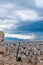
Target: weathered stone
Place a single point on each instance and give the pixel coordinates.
(1, 36)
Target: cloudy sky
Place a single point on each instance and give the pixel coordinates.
(22, 19)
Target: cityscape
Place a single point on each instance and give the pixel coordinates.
(21, 32)
(20, 53)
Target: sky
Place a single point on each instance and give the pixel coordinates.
(22, 19)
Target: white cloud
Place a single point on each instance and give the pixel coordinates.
(8, 24)
(12, 11)
(7, 5)
(7, 9)
(6, 21)
(19, 36)
(5, 26)
(39, 3)
(27, 15)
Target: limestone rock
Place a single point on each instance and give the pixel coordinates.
(1, 35)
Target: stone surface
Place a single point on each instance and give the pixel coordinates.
(1, 35)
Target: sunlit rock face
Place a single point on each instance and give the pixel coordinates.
(1, 36)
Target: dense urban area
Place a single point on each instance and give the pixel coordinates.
(20, 53)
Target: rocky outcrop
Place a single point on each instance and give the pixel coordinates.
(1, 36)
